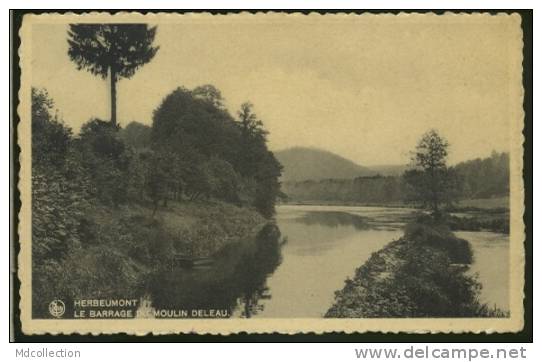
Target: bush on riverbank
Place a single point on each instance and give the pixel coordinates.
(120, 247)
(200, 229)
(426, 232)
(423, 274)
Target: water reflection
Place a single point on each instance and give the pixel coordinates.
(333, 219)
(325, 246)
(491, 264)
(236, 282)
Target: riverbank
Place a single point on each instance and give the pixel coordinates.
(422, 274)
(200, 229)
(121, 246)
(498, 222)
(459, 218)
(345, 203)
(491, 205)
(481, 215)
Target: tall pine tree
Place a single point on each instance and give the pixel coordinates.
(117, 50)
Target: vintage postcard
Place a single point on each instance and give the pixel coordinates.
(271, 172)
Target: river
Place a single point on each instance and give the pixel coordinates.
(293, 268)
(491, 263)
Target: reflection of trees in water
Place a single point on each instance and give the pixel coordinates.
(255, 269)
(250, 301)
(333, 219)
(236, 280)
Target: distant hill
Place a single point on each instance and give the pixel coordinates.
(301, 163)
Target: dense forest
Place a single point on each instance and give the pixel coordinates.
(195, 149)
(479, 178)
(97, 195)
(485, 177)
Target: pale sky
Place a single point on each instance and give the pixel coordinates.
(365, 88)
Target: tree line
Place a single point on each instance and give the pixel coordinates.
(479, 178)
(195, 150)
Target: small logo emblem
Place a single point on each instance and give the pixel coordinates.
(57, 308)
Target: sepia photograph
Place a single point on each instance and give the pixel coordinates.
(271, 172)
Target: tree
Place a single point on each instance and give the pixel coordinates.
(114, 49)
(217, 156)
(50, 137)
(431, 183)
(209, 93)
(223, 181)
(253, 138)
(257, 162)
(485, 177)
(104, 155)
(136, 135)
(251, 126)
(187, 121)
(157, 179)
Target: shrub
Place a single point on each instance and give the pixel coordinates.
(50, 137)
(103, 155)
(426, 231)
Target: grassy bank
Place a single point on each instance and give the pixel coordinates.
(492, 214)
(423, 274)
(121, 246)
(498, 222)
(502, 202)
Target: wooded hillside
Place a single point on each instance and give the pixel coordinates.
(479, 178)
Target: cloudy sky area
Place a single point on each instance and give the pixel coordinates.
(365, 88)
